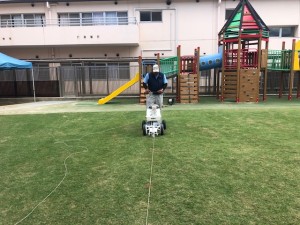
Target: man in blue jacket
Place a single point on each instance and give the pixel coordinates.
(155, 84)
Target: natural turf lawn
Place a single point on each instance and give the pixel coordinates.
(224, 166)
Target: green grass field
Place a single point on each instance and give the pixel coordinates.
(215, 165)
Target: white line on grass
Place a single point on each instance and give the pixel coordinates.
(66, 172)
(66, 168)
(150, 181)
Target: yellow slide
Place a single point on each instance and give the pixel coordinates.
(297, 57)
(119, 90)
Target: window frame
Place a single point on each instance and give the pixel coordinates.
(20, 20)
(97, 18)
(151, 12)
(280, 31)
(228, 13)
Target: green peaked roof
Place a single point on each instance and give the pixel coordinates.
(245, 19)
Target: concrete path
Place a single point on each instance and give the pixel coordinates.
(44, 107)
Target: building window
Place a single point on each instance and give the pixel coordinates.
(228, 13)
(87, 19)
(122, 18)
(151, 16)
(93, 18)
(111, 18)
(282, 31)
(22, 20)
(69, 19)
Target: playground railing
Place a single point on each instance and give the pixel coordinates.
(279, 60)
(169, 66)
(248, 58)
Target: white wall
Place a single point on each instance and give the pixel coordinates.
(185, 23)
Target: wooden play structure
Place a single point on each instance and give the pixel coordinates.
(287, 63)
(244, 57)
(188, 79)
(185, 70)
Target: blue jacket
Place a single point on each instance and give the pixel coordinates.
(155, 83)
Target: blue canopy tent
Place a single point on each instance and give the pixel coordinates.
(10, 63)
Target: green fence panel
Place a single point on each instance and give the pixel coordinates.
(169, 66)
(279, 60)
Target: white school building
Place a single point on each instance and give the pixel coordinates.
(58, 35)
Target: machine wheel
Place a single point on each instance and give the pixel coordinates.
(162, 130)
(164, 123)
(144, 129)
(143, 123)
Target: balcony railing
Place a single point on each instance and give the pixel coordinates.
(67, 22)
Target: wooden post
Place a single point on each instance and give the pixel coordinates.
(223, 72)
(158, 58)
(179, 72)
(292, 72)
(259, 62)
(140, 68)
(266, 74)
(298, 86)
(142, 95)
(281, 75)
(178, 56)
(238, 69)
(197, 61)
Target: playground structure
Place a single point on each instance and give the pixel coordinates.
(245, 59)
(287, 63)
(120, 90)
(242, 59)
(186, 71)
(183, 71)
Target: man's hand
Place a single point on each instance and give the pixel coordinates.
(160, 91)
(146, 91)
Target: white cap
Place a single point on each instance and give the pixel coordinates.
(155, 68)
